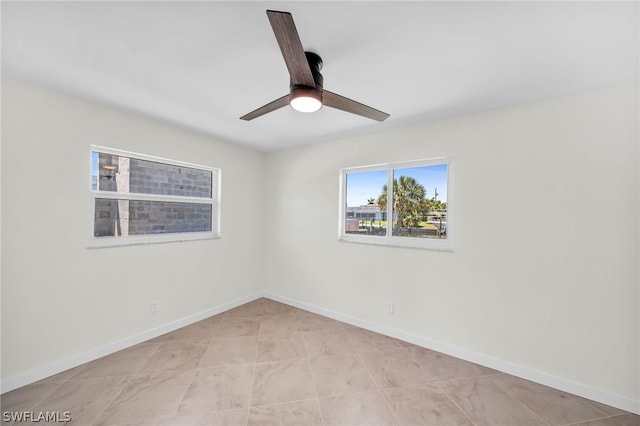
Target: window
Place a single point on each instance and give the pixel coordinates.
(418, 215)
(142, 199)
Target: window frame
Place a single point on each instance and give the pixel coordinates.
(114, 241)
(443, 244)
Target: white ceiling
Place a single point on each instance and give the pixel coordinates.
(202, 65)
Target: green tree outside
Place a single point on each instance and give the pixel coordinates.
(410, 205)
(408, 201)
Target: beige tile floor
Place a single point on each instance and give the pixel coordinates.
(265, 363)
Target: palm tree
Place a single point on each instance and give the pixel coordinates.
(408, 195)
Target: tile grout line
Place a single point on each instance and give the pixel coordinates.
(298, 313)
(595, 419)
(445, 393)
(592, 403)
(215, 367)
(380, 388)
(156, 372)
(512, 395)
(308, 357)
(386, 401)
(131, 377)
(255, 362)
(313, 377)
(437, 383)
(315, 388)
(186, 389)
(117, 394)
(41, 400)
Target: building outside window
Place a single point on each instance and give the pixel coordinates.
(140, 199)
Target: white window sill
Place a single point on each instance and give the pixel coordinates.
(407, 242)
(102, 242)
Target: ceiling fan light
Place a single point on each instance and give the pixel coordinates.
(305, 99)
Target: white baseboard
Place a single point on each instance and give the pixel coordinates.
(503, 366)
(76, 360)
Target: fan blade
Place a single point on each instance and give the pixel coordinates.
(291, 48)
(271, 106)
(345, 104)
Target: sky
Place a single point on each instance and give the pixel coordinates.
(94, 170)
(364, 185)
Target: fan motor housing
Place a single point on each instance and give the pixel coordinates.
(299, 90)
(315, 63)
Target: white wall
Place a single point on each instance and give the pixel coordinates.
(548, 286)
(60, 299)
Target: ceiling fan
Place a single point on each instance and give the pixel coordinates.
(306, 93)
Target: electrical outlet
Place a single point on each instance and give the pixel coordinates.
(390, 307)
(154, 306)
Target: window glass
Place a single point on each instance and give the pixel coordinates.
(419, 201)
(117, 173)
(363, 213)
(116, 218)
